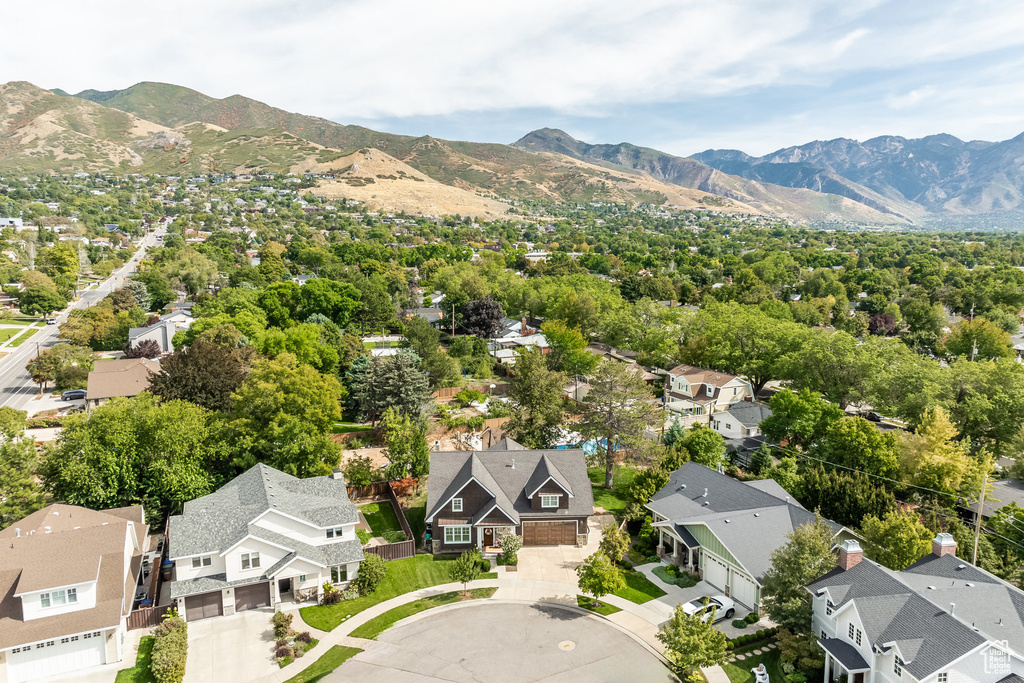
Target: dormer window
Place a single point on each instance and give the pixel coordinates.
(549, 501)
(829, 608)
(336, 532)
(250, 560)
(199, 562)
(57, 598)
(897, 666)
(456, 505)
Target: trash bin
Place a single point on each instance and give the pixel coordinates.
(165, 570)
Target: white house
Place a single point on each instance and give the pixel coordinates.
(741, 420)
(263, 538)
(162, 331)
(940, 620)
(694, 394)
(67, 582)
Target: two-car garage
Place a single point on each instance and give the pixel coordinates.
(739, 585)
(549, 533)
(56, 656)
(205, 605)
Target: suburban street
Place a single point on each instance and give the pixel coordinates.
(16, 385)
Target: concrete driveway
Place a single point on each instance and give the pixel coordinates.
(502, 643)
(558, 562)
(235, 648)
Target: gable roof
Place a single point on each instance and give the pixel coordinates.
(218, 521)
(749, 414)
(62, 545)
(695, 375)
(122, 377)
(507, 444)
(910, 609)
(493, 469)
(544, 472)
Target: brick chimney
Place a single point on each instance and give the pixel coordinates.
(850, 554)
(524, 330)
(943, 544)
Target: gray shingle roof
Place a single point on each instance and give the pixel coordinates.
(546, 470)
(748, 414)
(205, 584)
(847, 654)
(450, 471)
(507, 444)
(221, 519)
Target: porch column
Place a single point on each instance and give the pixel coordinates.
(828, 668)
(479, 537)
(675, 550)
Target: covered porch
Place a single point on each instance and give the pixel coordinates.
(843, 658)
(677, 546)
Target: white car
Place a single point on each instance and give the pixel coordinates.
(723, 607)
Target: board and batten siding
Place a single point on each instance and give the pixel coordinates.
(710, 542)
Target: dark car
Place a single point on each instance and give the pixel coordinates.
(875, 417)
(73, 395)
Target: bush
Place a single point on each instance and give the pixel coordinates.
(484, 564)
(653, 559)
(371, 572)
(282, 625)
(730, 645)
(510, 546)
(393, 536)
(170, 650)
(739, 623)
(752, 618)
(281, 642)
(304, 637)
(283, 652)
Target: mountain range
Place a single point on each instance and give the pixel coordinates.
(163, 128)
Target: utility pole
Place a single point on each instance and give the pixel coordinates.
(981, 510)
(453, 320)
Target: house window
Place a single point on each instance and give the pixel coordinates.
(302, 578)
(198, 562)
(339, 574)
(828, 609)
(728, 426)
(336, 532)
(457, 534)
(943, 677)
(897, 666)
(849, 632)
(456, 505)
(250, 560)
(858, 636)
(549, 501)
(61, 597)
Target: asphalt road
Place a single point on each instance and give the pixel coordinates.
(16, 385)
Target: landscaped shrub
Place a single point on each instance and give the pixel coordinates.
(729, 645)
(282, 652)
(739, 623)
(281, 642)
(653, 559)
(393, 536)
(282, 625)
(484, 564)
(304, 637)
(752, 618)
(510, 546)
(371, 572)
(170, 650)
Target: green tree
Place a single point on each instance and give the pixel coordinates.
(806, 556)
(856, 443)
(617, 409)
(67, 365)
(799, 418)
(844, 497)
(372, 570)
(406, 445)
(283, 415)
(40, 301)
(830, 363)
(465, 568)
(897, 540)
(978, 339)
(379, 382)
(692, 643)
(140, 292)
(933, 458)
(704, 445)
(535, 399)
(204, 373)
(20, 495)
(567, 349)
(614, 542)
(597, 576)
(645, 484)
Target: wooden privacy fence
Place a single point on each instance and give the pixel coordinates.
(373, 490)
(448, 392)
(400, 513)
(393, 551)
(146, 617)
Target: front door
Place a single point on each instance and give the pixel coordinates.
(284, 586)
(489, 536)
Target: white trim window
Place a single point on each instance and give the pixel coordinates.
(457, 534)
(336, 532)
(68, 596)
(339, 574)
(203, 561)
(250, 560)
(456, 505)
(944, 677)
(549, 500)
(897, 666)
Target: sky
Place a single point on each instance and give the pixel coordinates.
(681, 76)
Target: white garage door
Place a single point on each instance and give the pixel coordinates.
(55, 656)
(744, 589)
(715, 572)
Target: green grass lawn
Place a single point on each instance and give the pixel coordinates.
(595, 606)
(614, 500)
(682, 579)
(327, 663)
(349, 428)
(8, 332)
(639, 588)
(364, 536)
(139, 673)
(382, 622)
(381, 517)
(21, 339)
(421, 571)
(739, 671)
(415, 508)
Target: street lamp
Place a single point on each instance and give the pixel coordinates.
(491, 391)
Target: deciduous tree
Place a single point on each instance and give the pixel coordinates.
(204, 373)
(597, 576)
(692, 643)
(897, 540)
(806, 556)
(535, 399)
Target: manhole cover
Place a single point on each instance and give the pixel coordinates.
(567, 646)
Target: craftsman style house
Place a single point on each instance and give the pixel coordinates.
(477, 497)
(263, 538)
(694, 394)
(940, 620)
(67, 582)
(725, 529)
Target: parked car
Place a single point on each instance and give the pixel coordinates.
(723, 607)
(73, 394)
(51, 321)
(875, 417)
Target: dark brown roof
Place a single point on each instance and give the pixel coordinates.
(124, 377)
(62, 545)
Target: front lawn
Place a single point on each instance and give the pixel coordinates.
(327, 663)
(592, 605)
(739, 671)
(382, 622)
(349, 428)
(614, 500)
(413, 573)
(639, 588)
(139, 673)
(677, 578)
(381, 517)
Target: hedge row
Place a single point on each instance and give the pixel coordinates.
(170, 650)
(763, 634)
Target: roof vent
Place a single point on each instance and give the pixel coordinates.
(969, 584)
(682, 487)
(961, 566)
(706, 503)
(513, 463)
(17, 532)
(48, 529)
(727, 521)
(56, 512)
(757, 514)
(705, 493)
(952, 609)
(931, 588)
